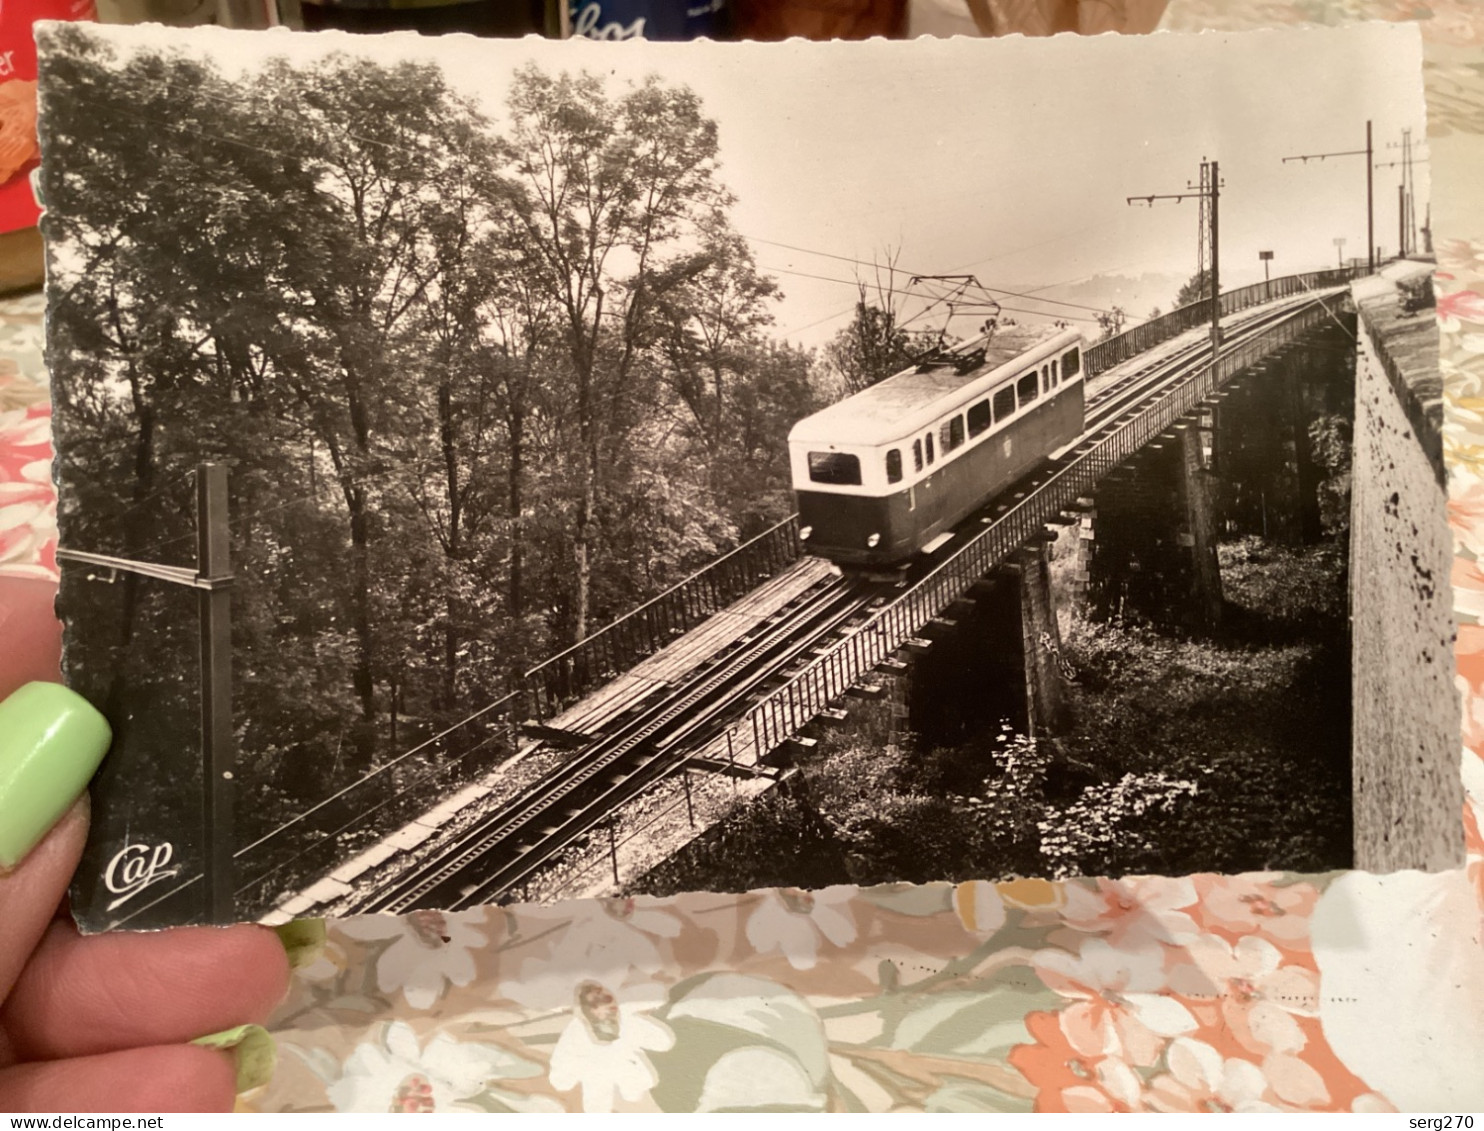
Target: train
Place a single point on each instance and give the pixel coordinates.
(888, 473)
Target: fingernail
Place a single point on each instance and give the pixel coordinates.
(51, 741)
(253, 1050)
(304, 939)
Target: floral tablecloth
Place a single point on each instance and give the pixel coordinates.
(1340, 992)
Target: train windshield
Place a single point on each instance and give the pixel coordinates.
(838, 468)
(1070, 364)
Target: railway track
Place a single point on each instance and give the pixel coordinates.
(1125, 394)
(505, 847)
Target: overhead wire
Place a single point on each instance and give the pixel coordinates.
(852, 283)
(361, 815)
(895, 270)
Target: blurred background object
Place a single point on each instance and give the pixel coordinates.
(1031, 17)
(820, 19)
(20, 245)
(665, 19)
(176, 13)
(649, 19)
(498, 18)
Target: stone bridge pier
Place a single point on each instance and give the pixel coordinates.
(1259, 459)
(1148, 546)
(995, 657)
(1244, 464)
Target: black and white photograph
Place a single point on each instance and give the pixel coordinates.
(510, 471)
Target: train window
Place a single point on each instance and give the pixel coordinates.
(1071, 363)
(928, 440)
(839, 468)
(1026, 387)
(1055, 372)
(1045, 378)
(1004, 403)
(893, 466)
(979, 418)
(916, 455)
(951, 434)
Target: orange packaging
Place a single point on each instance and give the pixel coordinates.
(18, 150)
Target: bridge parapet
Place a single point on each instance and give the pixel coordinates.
(562, 679)
(1401, 338)
(1121, 347)
(1405, 726)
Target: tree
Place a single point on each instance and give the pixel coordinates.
(468, 374)
(446, 361)
(705, 327)
(875, 344)
(1111, 321)
(390, 147)
(609, 191)
(1196, 289)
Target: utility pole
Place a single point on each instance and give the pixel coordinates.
(1406, 202)
(212, 578)
(1401, 219)
(1370, 201)
(1208, 192)
(219, 758)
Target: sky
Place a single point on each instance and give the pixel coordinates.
(1009, 159)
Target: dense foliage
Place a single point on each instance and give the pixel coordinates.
(481, 380)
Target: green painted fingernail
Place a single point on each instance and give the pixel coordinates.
(51, 741)
(252, 1048)
(304, 939)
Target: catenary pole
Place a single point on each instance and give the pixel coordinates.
(212, 578)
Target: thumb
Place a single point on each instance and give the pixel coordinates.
(51, 741)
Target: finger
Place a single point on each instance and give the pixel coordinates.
(30, 893)
(163, 1078)
(31, 631)
(80, 996)
(51, 741)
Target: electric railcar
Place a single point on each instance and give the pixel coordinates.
(891, 471)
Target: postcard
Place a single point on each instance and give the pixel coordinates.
(519, 470)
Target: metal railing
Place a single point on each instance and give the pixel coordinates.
(704, 808)
(564, 678)
(783, 712)
(1122, 347)
(400, 790)
(430, 773)
(482, 740)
